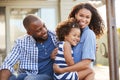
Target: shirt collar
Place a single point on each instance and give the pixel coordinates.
(85, 28)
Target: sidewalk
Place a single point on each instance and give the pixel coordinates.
(102, 72)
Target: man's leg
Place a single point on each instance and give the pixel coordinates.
(38, 77)
(12, 77)
(21, 76)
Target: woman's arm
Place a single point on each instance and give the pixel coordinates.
(84, 64)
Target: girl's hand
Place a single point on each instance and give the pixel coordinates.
(54, 53)
(57, 69)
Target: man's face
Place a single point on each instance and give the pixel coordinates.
(38, 30)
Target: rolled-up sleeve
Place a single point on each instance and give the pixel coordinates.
(89, 46)
(11, 58)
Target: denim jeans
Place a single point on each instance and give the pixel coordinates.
(12, 77)
(38, 77)
(24, 76)
(21, 76)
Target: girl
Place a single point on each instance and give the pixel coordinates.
(68, 33)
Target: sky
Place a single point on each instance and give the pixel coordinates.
(117, 6)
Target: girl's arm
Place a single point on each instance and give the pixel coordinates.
(67, 54)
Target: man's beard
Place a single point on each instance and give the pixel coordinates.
(40, 39)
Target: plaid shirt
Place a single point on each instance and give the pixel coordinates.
(25, 52)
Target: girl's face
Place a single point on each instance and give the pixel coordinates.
(83, 17)
(73, 37)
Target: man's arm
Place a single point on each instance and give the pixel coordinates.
(4, 74)
(77, 67)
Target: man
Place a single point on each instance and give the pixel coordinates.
(32, 51)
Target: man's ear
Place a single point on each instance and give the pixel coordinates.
(28, 32)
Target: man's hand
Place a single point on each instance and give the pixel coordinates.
(4, 74)
(54, 53)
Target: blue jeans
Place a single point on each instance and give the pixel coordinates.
(24, 76)
(38, 77)
(21, 76)
(12, 77)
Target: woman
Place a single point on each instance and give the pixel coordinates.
(92, 26)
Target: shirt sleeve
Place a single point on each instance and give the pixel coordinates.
(89, 46)
(11, 58)
(54, 38)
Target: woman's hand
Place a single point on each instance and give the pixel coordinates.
(57, 69)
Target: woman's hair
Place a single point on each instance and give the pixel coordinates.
(96, 23)
(63, 28)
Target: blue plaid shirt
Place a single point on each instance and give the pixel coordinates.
(25, 52)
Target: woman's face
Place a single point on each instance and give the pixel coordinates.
(83, 17)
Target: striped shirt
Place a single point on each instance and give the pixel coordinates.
(60, 60)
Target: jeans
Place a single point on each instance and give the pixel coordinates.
(38, 77)
(12, 77)
(21, 76)
(24, 76)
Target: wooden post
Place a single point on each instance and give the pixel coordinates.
(112, 40)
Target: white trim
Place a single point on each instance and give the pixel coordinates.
(7, 30)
